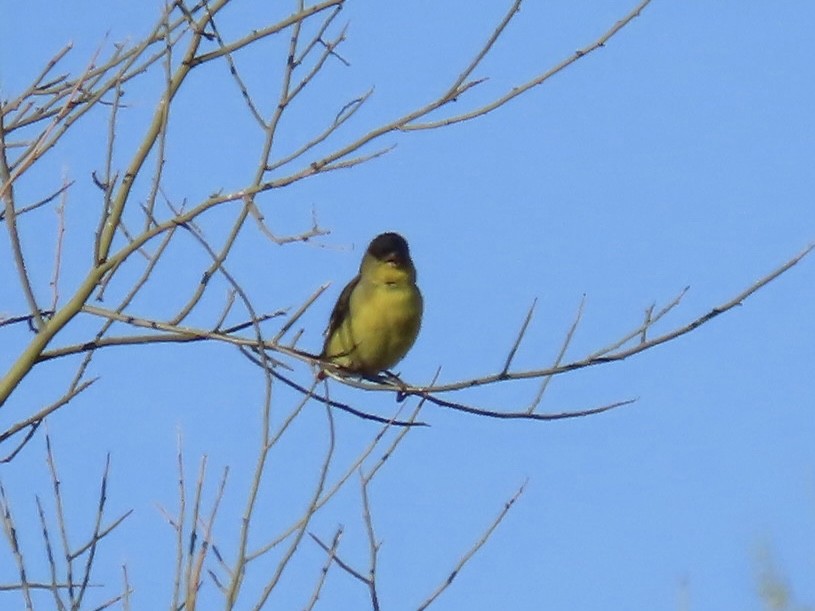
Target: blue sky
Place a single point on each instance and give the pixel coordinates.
(678, 155)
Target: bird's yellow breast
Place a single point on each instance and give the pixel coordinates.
(382, 324)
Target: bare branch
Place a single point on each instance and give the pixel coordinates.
(559, 358)
(191, 575)
(455, 88)
(308, 514)
(233, 70)
(518, 339)
(264, 32)
(473, 550)
(332, 552)
(11, 535)
(373, 544)
(299, 312)
(43, 202)
(36, 419)
(58, 250)
(623, 354)
(538, 80)
(341, 481)
(642, 330)
(341, 563)
(61, 523)
(10, 217)
(344, 114)
(97, 535)
(49, 550)
(126, 589)
(178, 524)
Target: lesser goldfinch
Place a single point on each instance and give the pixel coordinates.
(378, 314)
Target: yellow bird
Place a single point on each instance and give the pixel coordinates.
(378, 314)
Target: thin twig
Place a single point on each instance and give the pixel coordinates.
(178, 523)
(373, 544)
(126, 589)
(61, 522)
(333, 490)
(7, 177)
(43, 202)
(60, 210)
(35, 420)
(49, 551)
(621, 354)
(312, 508)
(340, 562)
(473, 550)
(268, 31)
(11, 535)
(332, 552)
(299, 312)
(559, 358)
(346, 112)
(455, 88)
(520, 337)
(641, 331)
(538, 80)
(192, 577)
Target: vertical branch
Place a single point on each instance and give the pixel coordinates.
(96, 536)
(350, 471)
(209, 542)
(164, 122)
(126, 589)
(63, 527)
(110, 179)
(10, 217)
(191, 576)
(283, 102)
(58, 250)
(113, 217)
(49, 550)
(268, 443)
(559, 358)
(373, 544)
(178, 525)
(11, 535)
(196, 559)
(239, 568)
(309, 513)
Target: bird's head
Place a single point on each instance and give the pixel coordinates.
(388, 257)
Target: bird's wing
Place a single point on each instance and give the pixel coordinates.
(341, 308)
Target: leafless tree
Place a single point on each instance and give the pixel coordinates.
(139, 228)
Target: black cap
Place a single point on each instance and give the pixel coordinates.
(389, 246)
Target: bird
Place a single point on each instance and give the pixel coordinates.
(378, 314)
